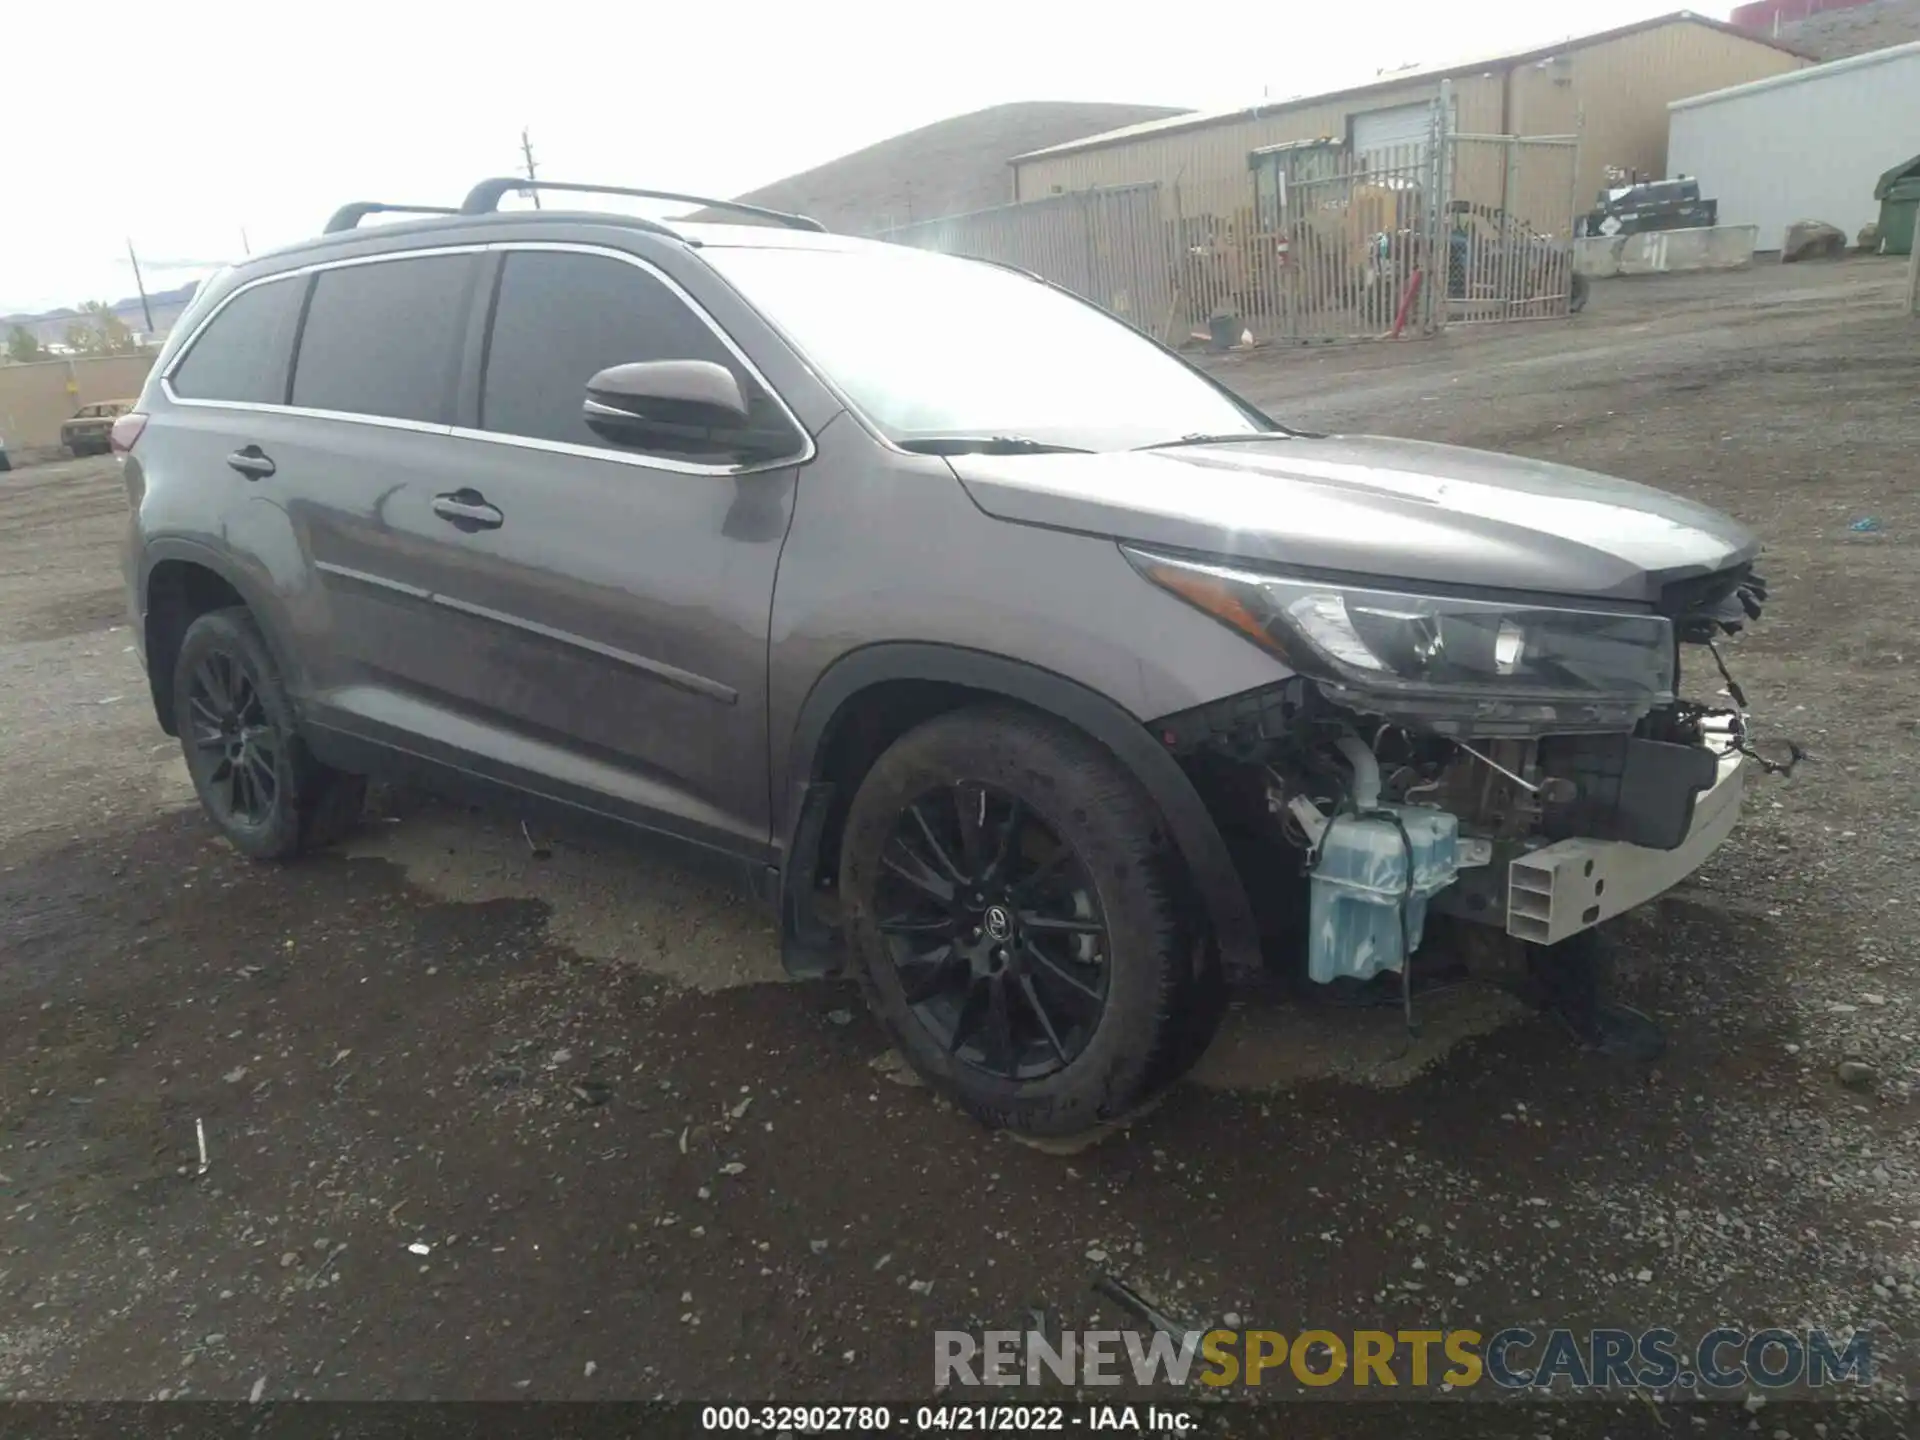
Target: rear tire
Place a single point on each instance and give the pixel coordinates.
(1577, 297)
(256, 779)
(1075, 1019)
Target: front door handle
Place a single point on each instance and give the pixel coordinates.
(252, 462)
(467, 509)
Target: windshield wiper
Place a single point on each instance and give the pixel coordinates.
(986, 445)
(1235, 438)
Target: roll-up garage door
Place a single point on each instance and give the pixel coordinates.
(1395, 129)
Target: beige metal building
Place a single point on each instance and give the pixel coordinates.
(1611, 89)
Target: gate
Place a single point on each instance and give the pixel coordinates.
(1108, 246)
(1509, 222)
(1355, 242)
(1343, 242)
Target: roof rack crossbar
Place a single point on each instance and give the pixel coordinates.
(485, 198)
(347, 217)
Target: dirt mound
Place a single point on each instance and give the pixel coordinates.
(946, 168)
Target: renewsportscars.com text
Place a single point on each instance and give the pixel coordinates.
(1514, 1358)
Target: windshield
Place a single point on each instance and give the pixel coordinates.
(928, 345)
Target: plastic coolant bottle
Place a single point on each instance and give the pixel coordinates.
(1375, 873)
(1360, 889)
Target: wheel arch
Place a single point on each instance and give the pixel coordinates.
(181, 580)
(907, 683)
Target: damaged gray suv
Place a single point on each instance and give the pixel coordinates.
(1030, 673)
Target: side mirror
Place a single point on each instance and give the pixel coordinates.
(680, 405)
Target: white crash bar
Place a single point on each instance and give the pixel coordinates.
(1573, 885)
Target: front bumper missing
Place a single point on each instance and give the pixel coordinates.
(1573, 885)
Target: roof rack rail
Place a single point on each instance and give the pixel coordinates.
(347, 217)
(485, 198)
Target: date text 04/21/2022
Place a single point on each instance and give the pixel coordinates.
(944, 1419)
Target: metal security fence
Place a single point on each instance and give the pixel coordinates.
(1334, 242)
(1510, 227)
(1107, 246)
(1343, 242)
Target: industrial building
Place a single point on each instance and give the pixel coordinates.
(1611, 89)
(1809, 145)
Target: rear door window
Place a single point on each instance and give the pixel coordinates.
(384, 339)
(561, 317)
(242, 355)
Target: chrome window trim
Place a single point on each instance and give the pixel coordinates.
(801, 456)
(385, 422)
(646, 462)
(298, 273)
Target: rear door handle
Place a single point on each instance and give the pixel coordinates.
(252, 462)
(467, 509)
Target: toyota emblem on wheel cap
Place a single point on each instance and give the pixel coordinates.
(998, 922)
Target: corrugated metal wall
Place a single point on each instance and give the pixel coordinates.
(1619, 89)
(1622, 90)
(1209, 165)
(1808, 150)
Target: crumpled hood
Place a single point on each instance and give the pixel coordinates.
(1370, 506)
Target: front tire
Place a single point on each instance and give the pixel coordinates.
(253, 774)
(1008, 895)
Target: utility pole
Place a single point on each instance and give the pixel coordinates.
(526, 151)
(141, 285)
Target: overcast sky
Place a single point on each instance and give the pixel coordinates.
(180, 124)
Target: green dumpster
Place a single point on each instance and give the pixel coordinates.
(1899, 195)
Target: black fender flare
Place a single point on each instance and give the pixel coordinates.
(206, 557)
(1203, 850)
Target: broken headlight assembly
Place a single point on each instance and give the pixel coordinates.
(1452, 664)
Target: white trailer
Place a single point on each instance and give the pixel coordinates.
(1806, 145)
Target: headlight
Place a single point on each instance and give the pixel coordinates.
(1503, 665)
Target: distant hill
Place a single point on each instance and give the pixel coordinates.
(947, 168)
(1836, 34)
(50, 326)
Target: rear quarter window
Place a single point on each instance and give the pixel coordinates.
(242, 354)
(384, 339)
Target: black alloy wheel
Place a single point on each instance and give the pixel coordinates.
(1011, 900)
(255, 777)
(994, 929)
(237, 743)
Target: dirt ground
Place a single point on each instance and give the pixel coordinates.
(486, 1125)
